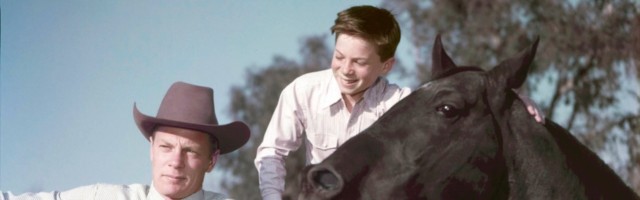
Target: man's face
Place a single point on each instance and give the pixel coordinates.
(179, 160)
(356, 65)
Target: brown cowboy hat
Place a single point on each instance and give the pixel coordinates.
(191, 107)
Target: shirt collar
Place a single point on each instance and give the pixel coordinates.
(154, 195)
(373, 95)
(333, 94)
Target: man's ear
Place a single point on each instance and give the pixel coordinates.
(387, 66)
(151, 148)
(214, 160)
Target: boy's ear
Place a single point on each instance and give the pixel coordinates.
(387, 66)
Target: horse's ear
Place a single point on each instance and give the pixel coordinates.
(514, 70)
(440, 61)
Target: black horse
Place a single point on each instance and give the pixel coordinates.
(464, 135)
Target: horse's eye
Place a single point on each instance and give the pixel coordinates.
(448, 111)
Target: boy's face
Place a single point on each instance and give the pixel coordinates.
(356, 65)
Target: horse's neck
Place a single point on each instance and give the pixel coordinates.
(598, 179)
(537, 166)
(548, 162)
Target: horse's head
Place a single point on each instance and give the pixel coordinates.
(460, 119)
(441, 141)
(462, 135)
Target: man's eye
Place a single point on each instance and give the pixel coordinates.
(448, 111)
(192, 153)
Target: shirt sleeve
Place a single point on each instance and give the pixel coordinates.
(395, 94)
(95, 192)
(283, 135)
(85, 192)
(30, 196)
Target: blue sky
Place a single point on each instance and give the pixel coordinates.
(70, 72)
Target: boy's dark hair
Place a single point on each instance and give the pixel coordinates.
(373, 24)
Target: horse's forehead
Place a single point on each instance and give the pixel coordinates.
(463, 82)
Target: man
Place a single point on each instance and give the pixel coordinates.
(324, 109)
(186, 141)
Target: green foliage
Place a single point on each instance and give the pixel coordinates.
(585, 68)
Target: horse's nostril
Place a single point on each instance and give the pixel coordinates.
(325, 179)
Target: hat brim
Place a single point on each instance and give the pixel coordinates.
(230, 136)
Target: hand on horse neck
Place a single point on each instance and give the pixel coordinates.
(532, 107)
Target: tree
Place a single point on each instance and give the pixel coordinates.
(586, 61)
(254, 104)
